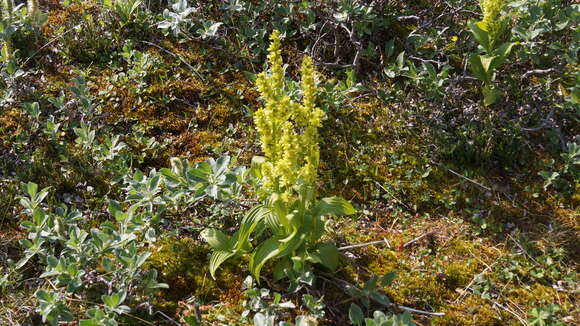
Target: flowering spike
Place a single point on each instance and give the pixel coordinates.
(492, 21)
(288, 130)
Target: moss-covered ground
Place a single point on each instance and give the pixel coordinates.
(491, 243)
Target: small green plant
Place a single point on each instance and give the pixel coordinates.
(426, 74)
(379, 318)
(267, 307)
(176, 21)
(126, 10)
(262, 304)
(397, 67)
(545, 316)
(179, 23)
(371, 290)
(52, 308)
(33, 110)
(488, 33)
(209, 29)
(12, 20)
(483, 224)
(570, 169)
(7, 281)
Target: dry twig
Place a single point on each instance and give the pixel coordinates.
(408, 243)
(371, 243)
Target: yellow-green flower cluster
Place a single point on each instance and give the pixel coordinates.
(492, 21)
(288, 130)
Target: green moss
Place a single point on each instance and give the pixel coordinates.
(182, 264)
(415, 288)
(381, 261)
(460, 273)
(473, 311)
(540, 295)
(462, 247)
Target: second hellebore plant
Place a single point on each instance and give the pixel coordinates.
(488, 33)
(290, 218)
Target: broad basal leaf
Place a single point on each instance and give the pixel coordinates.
(478, 69)
(326, 254)
(481, 35)
(217, 239)
(334, 206)
(250, 221)
(217, 258)
(501, 54)
(265, 251)
(490, 95)
(273, 248)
